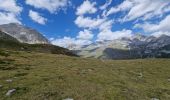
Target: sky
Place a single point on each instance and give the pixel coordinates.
(82, 22)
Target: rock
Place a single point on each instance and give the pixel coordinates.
(68, 99)
(9, 80)
(140, 75)
(154, 99)
(90, 70)
(10, 92)
(0, 86)
(169, 80)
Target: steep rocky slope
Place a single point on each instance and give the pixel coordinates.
(24, 34)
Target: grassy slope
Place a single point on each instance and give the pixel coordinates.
(43, 48)
(38, 76)
(10, 43)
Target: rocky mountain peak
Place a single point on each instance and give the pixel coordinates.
(24, 34)
(136, 46)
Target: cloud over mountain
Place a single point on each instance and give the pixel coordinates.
(35, 16)
(9, 11)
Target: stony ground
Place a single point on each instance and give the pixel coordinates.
(40, 76)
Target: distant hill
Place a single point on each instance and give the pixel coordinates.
(24, 34)
(137, 46)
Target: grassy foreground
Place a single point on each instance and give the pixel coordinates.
(40, 76)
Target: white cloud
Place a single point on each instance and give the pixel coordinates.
(9, 12)
(64, 42)
(80, 42)
(109, 35)
(146, 9)
(158, 34)
(162, 26)
(107, 25)
(35, 16)
(126, 5)
(87, 22)
(68, 42)
(108, 2)
(51, 5)
(85, 35)
(83, 38)
(86, 7)
(10, 6)
(6, 18)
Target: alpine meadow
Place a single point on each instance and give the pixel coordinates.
(84, 50)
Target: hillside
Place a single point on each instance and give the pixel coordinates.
(5, 36)
(39, 76)
(41, 48)
(11, 41)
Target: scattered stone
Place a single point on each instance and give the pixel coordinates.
(9, 80)
(169, 80)
(15, 77)
(140, 75)
(0, 86)
(154, 99)
(68, 99)
(10, 92)
(90, 70)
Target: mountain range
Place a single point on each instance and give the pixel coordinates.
(134, 47)
(137, 46)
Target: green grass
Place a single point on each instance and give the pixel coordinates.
(42, 76)
(43, 48)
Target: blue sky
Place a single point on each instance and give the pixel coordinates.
(81, 22)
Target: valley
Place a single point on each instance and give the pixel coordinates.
(134, 68)
(84, 49)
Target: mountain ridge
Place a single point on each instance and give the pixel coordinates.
(24, 34)
(138, 46)
(10, 42)
(134, 47)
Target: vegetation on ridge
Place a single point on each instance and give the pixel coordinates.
(42, 48)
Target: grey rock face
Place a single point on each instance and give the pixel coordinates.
(24, 34)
